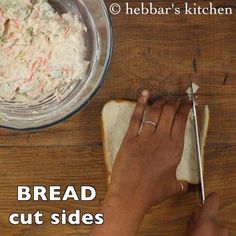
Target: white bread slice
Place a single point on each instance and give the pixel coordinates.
(115, 121)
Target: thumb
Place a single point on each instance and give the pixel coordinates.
(196, 212)
(211, 206)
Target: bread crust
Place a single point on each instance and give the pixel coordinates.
(108, 173)
(105, 151)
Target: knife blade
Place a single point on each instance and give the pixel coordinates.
(198, 147)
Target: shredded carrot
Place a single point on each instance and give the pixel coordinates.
(67, 31)
(34, 67)
(36, 13)
(38, 43)
(41, 87)
(17, 24)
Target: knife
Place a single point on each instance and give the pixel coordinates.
(198, 147)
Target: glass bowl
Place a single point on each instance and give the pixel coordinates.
(99, 42)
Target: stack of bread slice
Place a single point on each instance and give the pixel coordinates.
(115, 121)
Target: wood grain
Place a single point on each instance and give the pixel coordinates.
(153, 52)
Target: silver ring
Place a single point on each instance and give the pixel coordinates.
(182, 187)
(149, 122)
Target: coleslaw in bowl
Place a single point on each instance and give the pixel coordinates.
(56, 56)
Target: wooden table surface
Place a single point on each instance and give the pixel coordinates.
(154, 52)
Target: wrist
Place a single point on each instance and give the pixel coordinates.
(143, 197)
(122, 215)
(125, 205)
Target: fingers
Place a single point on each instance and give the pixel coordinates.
(153, 115)
(170, 115)
(137, 117)
(211, 206)
(167, 117)
(196, 212)
(206, 217)
(179, 125)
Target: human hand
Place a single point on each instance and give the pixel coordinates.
(145, 169)
(204, 219)
(144, 172)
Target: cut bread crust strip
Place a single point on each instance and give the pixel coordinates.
(115, 121)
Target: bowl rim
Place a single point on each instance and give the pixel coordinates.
(103, 77)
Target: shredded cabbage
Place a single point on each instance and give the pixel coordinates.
(41, 52)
